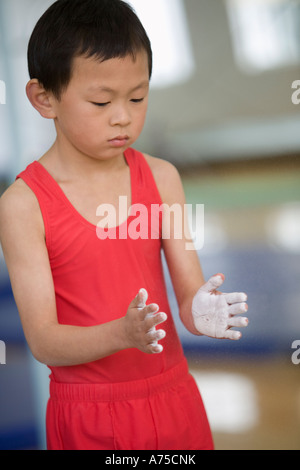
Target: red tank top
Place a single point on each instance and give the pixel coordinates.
(95, 279)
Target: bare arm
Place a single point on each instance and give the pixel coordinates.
(184, 265)
(23, 241)
(202, 308)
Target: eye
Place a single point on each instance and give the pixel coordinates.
(137, 100)
(101, 105)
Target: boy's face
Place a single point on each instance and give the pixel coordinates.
(103, 110)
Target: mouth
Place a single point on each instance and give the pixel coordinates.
(119, 141)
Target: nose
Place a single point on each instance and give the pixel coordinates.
(120, 116)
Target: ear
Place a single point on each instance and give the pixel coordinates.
(40, 99)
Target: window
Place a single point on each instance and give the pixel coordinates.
(265, 33)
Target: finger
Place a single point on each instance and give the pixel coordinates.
(149, 310)
(156, 335)
(213, 283)
(239, 308)
(154, 348)
(235, 297)
(155, 319)
(153, 345)
(141, 298)
(157, 348)
(239, 322)
(233, 335)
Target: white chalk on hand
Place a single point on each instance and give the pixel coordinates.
(216, 313)
(162, 333)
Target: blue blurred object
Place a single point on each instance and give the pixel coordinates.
(17, 411)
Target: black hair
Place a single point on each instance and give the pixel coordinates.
(104, 29)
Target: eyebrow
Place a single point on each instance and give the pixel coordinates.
(106, 89)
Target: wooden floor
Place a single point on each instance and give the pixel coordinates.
(276, 383)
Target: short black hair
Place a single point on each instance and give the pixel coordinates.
(104, 29)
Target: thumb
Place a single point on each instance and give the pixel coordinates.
(140, 300)
(213, 283)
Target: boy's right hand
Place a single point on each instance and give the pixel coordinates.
(140, 325)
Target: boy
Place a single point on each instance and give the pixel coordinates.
(91, 298)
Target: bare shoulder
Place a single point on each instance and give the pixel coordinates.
(17, 196)
(166, 176)
(162, 169)
(19, 204)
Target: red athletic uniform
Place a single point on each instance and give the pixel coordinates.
(129, 400)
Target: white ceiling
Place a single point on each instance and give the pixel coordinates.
(222, 112)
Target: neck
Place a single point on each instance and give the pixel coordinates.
(70, 164)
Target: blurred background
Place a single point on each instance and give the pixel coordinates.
(225, 109)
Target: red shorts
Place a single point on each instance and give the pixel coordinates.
(164, 412)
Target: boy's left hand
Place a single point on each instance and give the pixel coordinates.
(214, 313)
